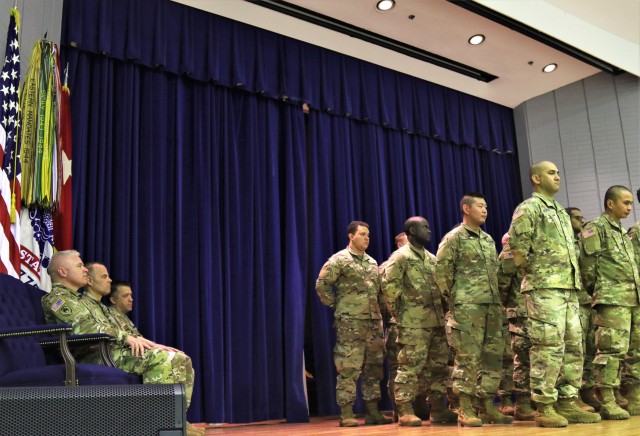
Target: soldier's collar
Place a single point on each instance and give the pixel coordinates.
(550, 202)
(614, 223)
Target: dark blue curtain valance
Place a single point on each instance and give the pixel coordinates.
(185, 41)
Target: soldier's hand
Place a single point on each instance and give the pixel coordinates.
(138, 347)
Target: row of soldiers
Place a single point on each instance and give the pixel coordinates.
(563, 292)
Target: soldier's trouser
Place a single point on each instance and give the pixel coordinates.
(556, 344)
(158, 367)
(506, 382)
(422, 363)
(521, 346)
(475, 332)
(587, 316)
(359, 351)
(617, 341)
(391, 350)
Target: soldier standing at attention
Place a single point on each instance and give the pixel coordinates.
(509, 280)
(586, 399)
(542, 244)
(610, 273)
(391, 336)
(413, 299)
(466, 272)
(359, 349)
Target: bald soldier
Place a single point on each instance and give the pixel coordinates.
(542, 244)
(610, 273)
(466, 273)
(349, 284)
(414, 300)
(87, 315)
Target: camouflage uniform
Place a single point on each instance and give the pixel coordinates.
(123, 322)
(587, 315)
(542, 236)
(412, 296)
(390, 340)
(634, 235)
(87, 315)
(610, 272)
(359, 349)
(466, 273)
(509, 280)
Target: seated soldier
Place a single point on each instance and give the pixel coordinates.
(87, 314)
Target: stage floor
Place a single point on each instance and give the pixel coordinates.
(329, 427)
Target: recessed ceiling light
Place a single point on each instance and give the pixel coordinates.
(476, 39)
(385, 5)
(549, 68)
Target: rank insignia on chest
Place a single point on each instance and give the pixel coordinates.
(588, 233)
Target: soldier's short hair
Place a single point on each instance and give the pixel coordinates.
(352, 228)
(469, 198)
(90, 266)
(399, 238)
(568, 210)
(115, 288)
(613, 193)
(53, 262)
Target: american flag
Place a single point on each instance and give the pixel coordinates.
(9, 149)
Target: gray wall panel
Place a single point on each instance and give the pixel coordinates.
(591, 130)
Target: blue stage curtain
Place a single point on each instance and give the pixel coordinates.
(196, 179)
(195, 193)
(171, 37)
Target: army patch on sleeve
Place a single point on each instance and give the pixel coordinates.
(57, 305)
(507, 255)
(517, 214)
(588, 233)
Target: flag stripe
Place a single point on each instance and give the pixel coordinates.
(10, 171)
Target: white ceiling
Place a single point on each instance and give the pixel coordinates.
(606, 29)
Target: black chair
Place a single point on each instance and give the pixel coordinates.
(23, 333)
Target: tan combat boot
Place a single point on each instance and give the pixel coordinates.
(466, 415)
(546, 416)
(524, 411)
(373, 416)
(588, 396)
(610, 409)
(346, 416)
(506, 405)
(633, 396)
(620, 399)
(407, 418)
(490, 415)
(574, 414)
(582, 405)
(194, 431)
(440, 413)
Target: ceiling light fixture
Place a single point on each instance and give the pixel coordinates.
(385, 5)
(549, 68)
(476, 39)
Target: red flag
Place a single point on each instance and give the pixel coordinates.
(62, 233)
(9, 153)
